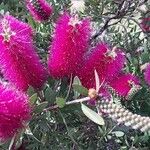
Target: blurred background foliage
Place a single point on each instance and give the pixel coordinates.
(67, 128)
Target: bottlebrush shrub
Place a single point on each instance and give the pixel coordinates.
(108, 64)
(14, 111)
(18, 60)
(39, 9)
(145, 24)
(124, 83)
(147, 74)
(69, 45)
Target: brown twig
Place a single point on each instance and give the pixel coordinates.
(123, 8)
(119, 14)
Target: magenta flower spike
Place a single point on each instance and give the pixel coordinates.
(40, 10)
(147, 74)
(108, 64)
(14, 111)
(124, 83)
(19, 62)
(69, 45)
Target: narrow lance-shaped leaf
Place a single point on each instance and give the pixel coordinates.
(97, 81)
(33, 99)
(92, 115)
(39, 108)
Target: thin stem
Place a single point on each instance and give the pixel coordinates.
(69, 103)
(41, 96)
(108, 132)
(120, 13)
(70, 85)
(12, 145)
(123, 8)
(69, 134)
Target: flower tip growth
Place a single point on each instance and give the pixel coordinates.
(14, 111)
(11, 27)
(41, 10)
(69, 45)
(19, 63)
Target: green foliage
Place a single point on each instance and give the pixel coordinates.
(92, 115)
(67, 127)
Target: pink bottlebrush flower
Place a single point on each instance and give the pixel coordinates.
(19, 62)
(147, 74)
(41, 10)
(145, 24)
(14, 111)
(124, 83)
(108, 64)
(69, 44)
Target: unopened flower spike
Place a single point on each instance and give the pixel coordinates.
(41, 10)
(123, 116)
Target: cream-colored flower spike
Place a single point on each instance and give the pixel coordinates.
(77, 6)
(124, 116)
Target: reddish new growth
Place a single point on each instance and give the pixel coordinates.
(14, 111)
(39, 9)
(69, 45)
(145, 24)
(19, 62)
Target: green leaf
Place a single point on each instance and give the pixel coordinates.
(118, 133)
(30, 91)
(76, 80)
(50, 95)
(60, 102)
(33, 99)
(80, 89)
(92, 115)
(29, 132)
(39, 108)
